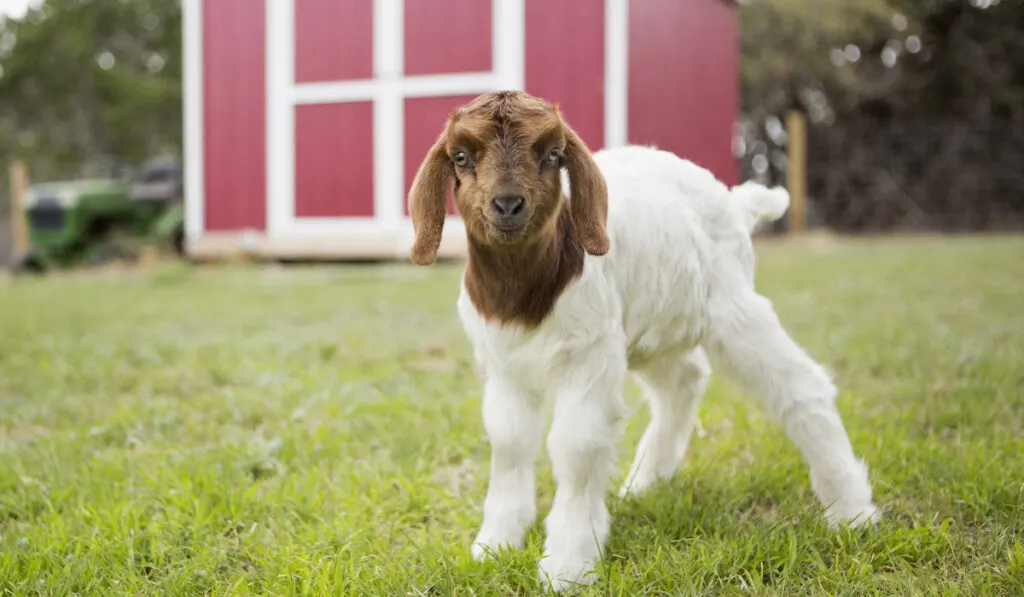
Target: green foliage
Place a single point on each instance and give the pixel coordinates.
(87, 77)
(973, 59)
(937, 56)
(237, 431)
(787, 46)
(916, 108)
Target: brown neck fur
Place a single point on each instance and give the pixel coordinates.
(521, 285)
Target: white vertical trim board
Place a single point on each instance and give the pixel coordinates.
(616, 72)
(388, 112)
(508, 42)
(192, 108)
(280, 77)
(388, 39)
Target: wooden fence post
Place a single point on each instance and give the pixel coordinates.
(19, 224)
(796, 170)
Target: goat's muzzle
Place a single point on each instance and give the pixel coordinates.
(509, 213)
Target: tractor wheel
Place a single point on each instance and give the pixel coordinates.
(111, 251)
(178, 242)
(29, 263)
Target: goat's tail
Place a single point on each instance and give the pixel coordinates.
(755, 203)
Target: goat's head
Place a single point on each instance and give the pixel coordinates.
(506, 151)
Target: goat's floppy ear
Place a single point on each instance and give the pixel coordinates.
(588, 204)
(427, 204)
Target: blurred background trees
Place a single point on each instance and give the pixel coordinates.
(81, 78)
(915, 107)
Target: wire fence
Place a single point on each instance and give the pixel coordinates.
(870, 175)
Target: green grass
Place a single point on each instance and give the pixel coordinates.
(242, 430)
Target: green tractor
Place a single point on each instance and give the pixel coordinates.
(105, 213)
(158, 196)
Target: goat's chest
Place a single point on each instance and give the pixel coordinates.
(538, 355)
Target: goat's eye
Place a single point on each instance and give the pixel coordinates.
(460, 158)
(554, 156)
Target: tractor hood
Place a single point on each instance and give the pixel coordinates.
(67, 193)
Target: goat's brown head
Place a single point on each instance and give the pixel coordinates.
(505, 151)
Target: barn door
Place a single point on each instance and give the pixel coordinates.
(357, 91)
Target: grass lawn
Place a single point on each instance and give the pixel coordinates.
(316, 430)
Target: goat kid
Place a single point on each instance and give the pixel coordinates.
(565, 294)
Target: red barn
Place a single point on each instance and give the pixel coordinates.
(305, 120)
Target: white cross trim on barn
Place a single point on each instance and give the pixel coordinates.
(387, 90)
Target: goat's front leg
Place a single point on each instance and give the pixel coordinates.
(514, 423)
(588, 417)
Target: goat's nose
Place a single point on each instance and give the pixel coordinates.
(508, 205)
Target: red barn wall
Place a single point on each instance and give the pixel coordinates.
(683, 80)
(234, 115)
(333, 141)
(682, 90)
(334, 160)
(333, 40)
(447, 36)
(565, 61)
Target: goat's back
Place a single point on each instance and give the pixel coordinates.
(667, 218)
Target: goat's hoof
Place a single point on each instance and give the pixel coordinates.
(483, 551)
(486, 547)
(634, 488)
(479, 551)
(854, 516)
(628, 491)
(566, 574)
(640, 484)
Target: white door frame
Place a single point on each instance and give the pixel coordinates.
(387, 90)
(194, 159)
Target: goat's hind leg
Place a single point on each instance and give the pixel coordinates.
(745, 334)
(673, 386)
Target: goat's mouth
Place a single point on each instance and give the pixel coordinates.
(508, 233)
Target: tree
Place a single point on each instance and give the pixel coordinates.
(85, 77)
(916, 107)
